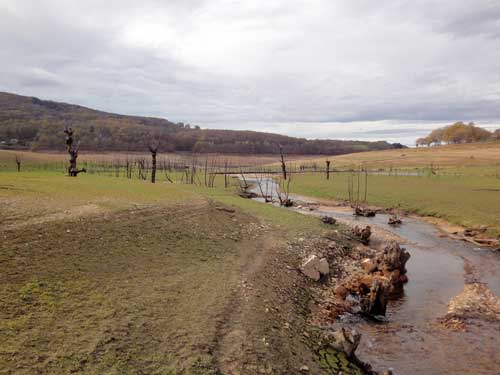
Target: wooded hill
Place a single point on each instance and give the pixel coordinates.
(38, 124)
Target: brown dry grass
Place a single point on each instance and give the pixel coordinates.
(7, 158)
(467, 155)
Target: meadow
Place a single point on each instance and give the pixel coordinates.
(464, 200)
(458, 183)
(455, 157)
(106, 162)
(100, 274)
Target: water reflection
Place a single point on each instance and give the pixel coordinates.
(409, 340)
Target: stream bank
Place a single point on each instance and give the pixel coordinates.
(448, 319)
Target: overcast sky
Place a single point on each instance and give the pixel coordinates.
(314, 68)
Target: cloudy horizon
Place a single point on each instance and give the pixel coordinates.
(317, 69)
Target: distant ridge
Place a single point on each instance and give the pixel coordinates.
(34, 123)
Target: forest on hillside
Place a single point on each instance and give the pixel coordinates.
(37, 124)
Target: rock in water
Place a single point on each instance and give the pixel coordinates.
(341, 292)
(328, 220)
(394, 220)
(359, 211)
(375, 302)
(362, 234)
(343, 340)
(394, 257)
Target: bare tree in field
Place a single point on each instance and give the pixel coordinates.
(153, 148)
(73, 153)
(283, 192)
(327, 169)
(283, 165)
(18, 163)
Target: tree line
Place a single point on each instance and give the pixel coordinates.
(36, 124)
(457, 133)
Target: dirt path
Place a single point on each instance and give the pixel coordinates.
(231, 335)
(263, 326)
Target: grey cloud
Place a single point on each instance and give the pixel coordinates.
(236, 64)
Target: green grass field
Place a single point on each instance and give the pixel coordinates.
(103, 274)
(117, 276)
(458, 183)
(466, 200)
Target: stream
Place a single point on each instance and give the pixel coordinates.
(410, 340)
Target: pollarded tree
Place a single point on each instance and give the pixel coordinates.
(73, 153)
(153, 148)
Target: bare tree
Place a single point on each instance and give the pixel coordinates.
(327, 169)
(366, 182)
(226, 182)
(283, 165)
(265, 195)
(73, 153)
(205, 172)
(141, 168)
(283, 192)
(129, 166)
(153, 148)
(243, 187)
(18, 162)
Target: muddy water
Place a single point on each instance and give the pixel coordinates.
(410, 341)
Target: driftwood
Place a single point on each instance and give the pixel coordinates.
(247, 194)
(366, 212)
(394, 220)
(392, 264)
(394, 257)
(243, 187)
(382, 280)
(375, 302)
(362, 234)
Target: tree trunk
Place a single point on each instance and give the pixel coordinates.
(283, 165)
(154, 151)
(18, 162)
(153, 166)
(73, 171)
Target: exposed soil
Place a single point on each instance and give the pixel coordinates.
(70, 213)
(194, 289)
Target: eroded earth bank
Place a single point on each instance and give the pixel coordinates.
(403, 296)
